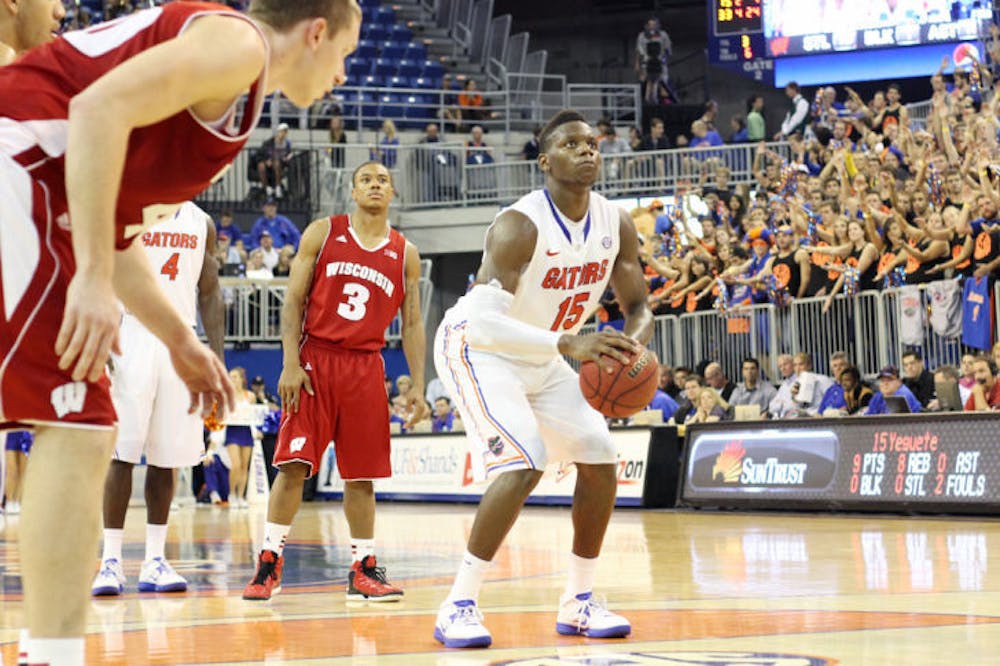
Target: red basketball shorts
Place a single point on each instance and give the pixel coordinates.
(349, 409)
(36, 265)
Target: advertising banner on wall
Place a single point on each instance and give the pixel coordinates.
(431, 468)
(907, 462)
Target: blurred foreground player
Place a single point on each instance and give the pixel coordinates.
(349, 279)
(107, 131)
(548, 260)
(151, 400)
(23, 25)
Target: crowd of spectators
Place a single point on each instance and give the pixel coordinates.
(865, 199)
(441, 415)
(263, 253)
(705, 394)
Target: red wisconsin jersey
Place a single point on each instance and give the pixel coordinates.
(356, 292)
(167, 163)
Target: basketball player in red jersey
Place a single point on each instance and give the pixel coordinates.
(104, 132)
(499, 352)
(26, 24)
(350, 277)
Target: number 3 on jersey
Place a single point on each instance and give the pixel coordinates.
(354, 307)
(570, 312)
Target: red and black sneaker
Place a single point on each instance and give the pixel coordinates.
(267, 581)
(367, 582)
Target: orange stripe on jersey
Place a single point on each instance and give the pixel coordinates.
(480, 399)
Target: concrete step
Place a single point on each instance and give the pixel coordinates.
(408, 13)
(422, 30)
(469, 69)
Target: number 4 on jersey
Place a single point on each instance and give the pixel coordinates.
(170, 268)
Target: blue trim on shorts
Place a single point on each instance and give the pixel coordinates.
(239, 435)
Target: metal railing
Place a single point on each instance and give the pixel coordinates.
(253, 308)
(866, 326)
(447, 174)
(621, 103)
(729, 338)
(522, 101)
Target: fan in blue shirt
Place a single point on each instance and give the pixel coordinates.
(891, 385)
(282, 230)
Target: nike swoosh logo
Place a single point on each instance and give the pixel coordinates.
(550, 253)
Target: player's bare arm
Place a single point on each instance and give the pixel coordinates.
(414, 336)
(293, 377)
(210, 303)
(205, 69)
(630, 286)
(510, 245)
(201, 370)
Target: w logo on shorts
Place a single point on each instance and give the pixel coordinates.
(495, 445)
(69, 398)
(297, 444)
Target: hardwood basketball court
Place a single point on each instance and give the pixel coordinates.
(699, 587)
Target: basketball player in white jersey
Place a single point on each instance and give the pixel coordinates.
(152, 401)
(548, 259)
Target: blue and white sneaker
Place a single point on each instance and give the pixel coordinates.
(585, 615)
(110, 580)
(157, 575)
(460, 625)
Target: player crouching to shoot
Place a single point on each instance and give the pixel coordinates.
(499, 352)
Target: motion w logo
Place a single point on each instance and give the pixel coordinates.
(69, 398)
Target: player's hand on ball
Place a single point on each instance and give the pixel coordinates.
(204, 375)
(598, 347)
(290, 384)
(89, 331)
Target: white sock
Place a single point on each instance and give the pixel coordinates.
(113, 544)
(22, 647)
(56, 651)
(469, 579)
(156, 539)
(582, 571)
(275, 536)
(362, 548)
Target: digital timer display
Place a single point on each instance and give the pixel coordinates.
(875, 463)
(733, 17)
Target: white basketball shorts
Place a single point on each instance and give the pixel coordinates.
(518, 415)
(152, 404)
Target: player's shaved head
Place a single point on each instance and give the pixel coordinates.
(370, 163)
(282, 15)
(561, 118)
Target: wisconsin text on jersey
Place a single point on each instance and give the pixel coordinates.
(575, 276)
(361, 272)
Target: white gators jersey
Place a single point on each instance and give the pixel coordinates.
(571, 267)
(176, 251)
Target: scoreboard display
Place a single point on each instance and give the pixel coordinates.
(734, 17)
(947, 463)
(737, 38)
(821, 41)
(803, 27)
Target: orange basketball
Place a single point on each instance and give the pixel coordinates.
(624, 391)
